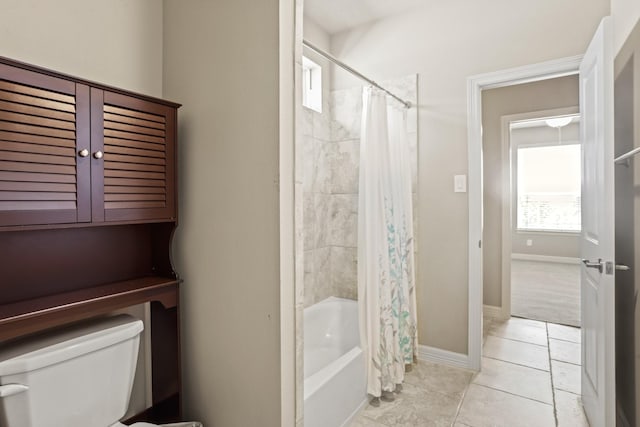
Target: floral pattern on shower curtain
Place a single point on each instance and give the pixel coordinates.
(386, 278)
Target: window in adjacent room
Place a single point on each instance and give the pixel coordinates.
(311, 85)
(548, 188)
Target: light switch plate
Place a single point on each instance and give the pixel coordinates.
(460, 183)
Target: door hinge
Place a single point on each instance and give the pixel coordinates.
(480, 243)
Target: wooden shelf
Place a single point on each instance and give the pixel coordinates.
(24, 317)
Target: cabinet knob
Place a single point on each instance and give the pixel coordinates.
(83, 153)
(98, 155)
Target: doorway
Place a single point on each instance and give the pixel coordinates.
(478, 86)
(531, 224)
(542, 215)
(529, 221)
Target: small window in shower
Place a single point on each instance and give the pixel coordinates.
(311, 85)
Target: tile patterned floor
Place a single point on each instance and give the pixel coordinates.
(530, 377)
(430, 396)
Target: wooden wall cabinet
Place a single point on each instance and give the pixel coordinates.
(135, 179)
(75, 152)
(42, 180)
(88, 211)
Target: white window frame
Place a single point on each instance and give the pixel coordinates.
(515, 170)
(311, 85)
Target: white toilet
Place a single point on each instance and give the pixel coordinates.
(80, 376)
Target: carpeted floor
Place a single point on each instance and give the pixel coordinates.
(546, 291)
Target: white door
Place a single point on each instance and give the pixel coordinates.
(597, 243)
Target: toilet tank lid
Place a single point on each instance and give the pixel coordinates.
(51, 347)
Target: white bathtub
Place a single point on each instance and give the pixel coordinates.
(334, 371)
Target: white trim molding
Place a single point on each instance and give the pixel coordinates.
(286, 117)
(507, 216)
(546, 258)
(443, 357)
(475, 85)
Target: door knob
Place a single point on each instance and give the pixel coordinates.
(593, 264)
(83, 153)
(98, 155)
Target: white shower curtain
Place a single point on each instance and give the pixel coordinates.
(386, 279)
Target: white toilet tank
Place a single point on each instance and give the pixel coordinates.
(79, 376)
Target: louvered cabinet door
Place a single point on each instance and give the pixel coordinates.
(43, 178)
(135, 178)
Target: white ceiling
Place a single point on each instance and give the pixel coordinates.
(339, 15)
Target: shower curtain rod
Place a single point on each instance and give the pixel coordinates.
(352, 71)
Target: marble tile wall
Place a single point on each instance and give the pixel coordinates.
(329, 176)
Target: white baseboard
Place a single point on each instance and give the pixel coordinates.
(492, 311)
(443, 357)
(546, 258)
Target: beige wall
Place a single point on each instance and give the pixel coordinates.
(445, 42)
(626, 14)
(496, 103)
(221, 62)
(116, 42)
(566, 245)
(313, 33)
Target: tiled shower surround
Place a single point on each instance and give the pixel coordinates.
(328, 156)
